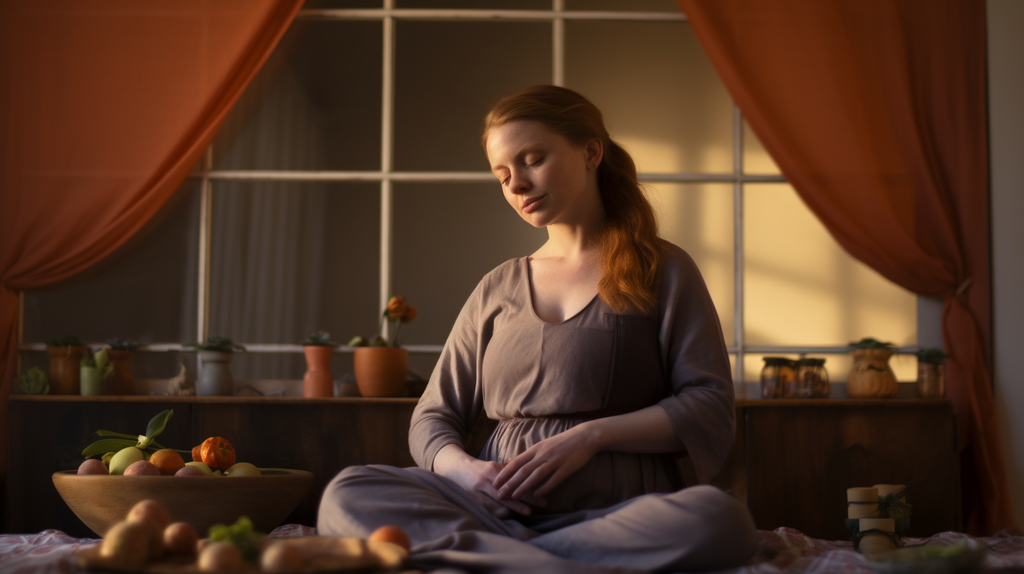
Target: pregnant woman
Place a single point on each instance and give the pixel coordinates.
(601, 357)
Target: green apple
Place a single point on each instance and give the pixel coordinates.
(243, 469)
(124, 458)
(201, 466)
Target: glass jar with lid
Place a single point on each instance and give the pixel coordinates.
(778, 379)
(811, 378)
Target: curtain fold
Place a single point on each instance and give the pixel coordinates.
(105, 107)
(875, 111)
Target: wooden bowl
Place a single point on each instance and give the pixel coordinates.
(104, 500)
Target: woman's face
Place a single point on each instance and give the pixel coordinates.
(543, 176)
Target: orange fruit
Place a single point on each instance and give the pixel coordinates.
(167, 460)
(392, 534)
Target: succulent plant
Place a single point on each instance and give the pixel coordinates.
(122, 344)
(870, 343)
(216, 343)
(933, 356)
(34, 382)
(319, 339)
(67, 341)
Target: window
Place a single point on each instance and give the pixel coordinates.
(351, 170)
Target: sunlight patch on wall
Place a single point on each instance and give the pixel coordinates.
(803, 289)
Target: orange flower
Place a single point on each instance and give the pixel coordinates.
(397, 307)
(410, 314)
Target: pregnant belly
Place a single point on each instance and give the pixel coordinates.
(607, 479)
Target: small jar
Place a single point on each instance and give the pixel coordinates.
(931, 380)
(811, 379)
(778, 379)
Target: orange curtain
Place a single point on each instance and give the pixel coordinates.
(105, 107)
(875, 111)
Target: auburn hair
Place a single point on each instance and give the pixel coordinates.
(631, 251)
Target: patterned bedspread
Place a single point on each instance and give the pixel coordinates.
(782, 550)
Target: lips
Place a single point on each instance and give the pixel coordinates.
(531, 204)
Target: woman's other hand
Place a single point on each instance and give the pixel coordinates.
(543, 466)
(477, 478)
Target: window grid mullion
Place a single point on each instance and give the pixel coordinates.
(386, 155)
(737, 209)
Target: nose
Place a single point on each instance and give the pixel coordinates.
(518, 182)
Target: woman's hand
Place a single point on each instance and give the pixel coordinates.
(477, 478)
(543, 466)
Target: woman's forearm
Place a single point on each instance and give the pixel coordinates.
(648, 430)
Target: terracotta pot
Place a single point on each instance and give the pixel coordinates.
(65, 370)
(215, 377)
(931, 380)
(317, 382)
(120, 381)
(380, 371)
(871, 376)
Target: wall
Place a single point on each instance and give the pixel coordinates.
(1006, 121)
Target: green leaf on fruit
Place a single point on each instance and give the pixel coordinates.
(118, 434)
(107, 445)
(158, 423)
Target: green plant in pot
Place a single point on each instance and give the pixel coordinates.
(95, 372)
(381, 366)
(34, 382)
(931, 373)
(121, 381)
(215, 356)
(318, 382)
(870, 375)
(65, 356)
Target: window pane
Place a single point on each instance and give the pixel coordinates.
(448, 75)
(478, 4)
(314, 105)
(755, 157)
(145, 291)
(660, 96)
(447, 237)
(698, 218)
(619, 5)
(837, 366)
(288, 259)
(801, 288)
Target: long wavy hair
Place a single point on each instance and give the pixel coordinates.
(631, 252)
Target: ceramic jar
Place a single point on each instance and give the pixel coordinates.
(120, 381)
(871, 376)
(317, 382)
(931, 380)
(380, 371)
(778, 379)
(811, 379)
(215, 376)
(65, 369)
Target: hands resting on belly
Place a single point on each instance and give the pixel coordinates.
(521, 483)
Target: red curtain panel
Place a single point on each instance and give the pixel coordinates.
(105, 107)
(875, 111)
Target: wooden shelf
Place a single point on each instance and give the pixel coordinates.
(208, 400)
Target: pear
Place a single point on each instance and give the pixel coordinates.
(124, 458)
(201, 466)
(243, 469)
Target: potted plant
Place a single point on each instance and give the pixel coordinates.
(121, 381)
(95, 372)
(381, 366)
(65, 356)
(931, 373)
(215, 356)
(317, 382)
(34, 382)
(871, 376)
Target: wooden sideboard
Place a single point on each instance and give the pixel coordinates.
(792, 462)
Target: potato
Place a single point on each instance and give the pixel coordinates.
(151, 510)
(220, 557)
(92, 466)
(281, 558)
(128, 543)
(142, 468)
(180, 539)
